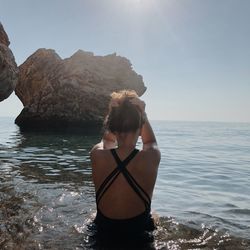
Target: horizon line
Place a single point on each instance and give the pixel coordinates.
(167, 120)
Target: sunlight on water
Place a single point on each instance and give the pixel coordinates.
(201, 200)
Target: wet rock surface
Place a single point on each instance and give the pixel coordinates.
(71, 93)
(8, 67)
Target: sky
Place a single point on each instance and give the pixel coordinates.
(194, 55)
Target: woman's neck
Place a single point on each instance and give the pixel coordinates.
(127, 142)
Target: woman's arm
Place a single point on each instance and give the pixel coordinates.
(108, 141)
(147, 133)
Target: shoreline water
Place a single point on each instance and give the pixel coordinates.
(168, 121)
(201, 194)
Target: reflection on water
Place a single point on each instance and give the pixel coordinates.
(48, 157)
(47, 196)
(46, 191)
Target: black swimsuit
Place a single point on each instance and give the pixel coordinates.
(131, 227)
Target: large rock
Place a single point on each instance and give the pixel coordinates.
(71, 93)
(8, 67)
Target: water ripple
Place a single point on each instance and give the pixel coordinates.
(47, 194)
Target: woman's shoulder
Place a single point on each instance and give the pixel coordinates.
(99, 154)
(151, 150)
(151, 155)
(98, 150)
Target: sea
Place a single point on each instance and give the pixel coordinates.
(201, 198)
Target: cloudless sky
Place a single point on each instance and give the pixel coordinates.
(194, 55)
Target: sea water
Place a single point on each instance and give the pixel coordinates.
(201, 198)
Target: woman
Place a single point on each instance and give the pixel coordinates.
(124, 177)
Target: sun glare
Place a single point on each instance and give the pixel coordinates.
(140, 4)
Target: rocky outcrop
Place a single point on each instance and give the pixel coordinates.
(3, 36)
(71, 93)
(8, 67)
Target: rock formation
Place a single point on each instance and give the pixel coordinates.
(8, 67)
(71, 93)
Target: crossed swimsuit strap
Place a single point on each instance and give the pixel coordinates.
(121, 168)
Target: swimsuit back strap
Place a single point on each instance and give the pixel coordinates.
(130, 179)
(124, 163)
(137, 189)
(136, 185)
(106, 184)
(114, 174)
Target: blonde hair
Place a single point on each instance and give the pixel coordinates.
(121, 96)
(124, 116)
